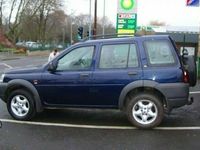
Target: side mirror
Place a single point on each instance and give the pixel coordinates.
(52, 66)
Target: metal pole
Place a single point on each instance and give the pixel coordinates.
(104, 10)
(71, 40)
(63, 36)
(95, 17)
(184, 41)
(90, 12)
(198, 55)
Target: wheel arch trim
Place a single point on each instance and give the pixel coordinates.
(30, 87)
(137, 84)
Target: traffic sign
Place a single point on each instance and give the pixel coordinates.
(193, 3)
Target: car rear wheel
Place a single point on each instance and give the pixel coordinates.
(145, 111)
(20, 105)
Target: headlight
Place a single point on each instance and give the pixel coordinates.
(2, 77)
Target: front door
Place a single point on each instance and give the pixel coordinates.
(70, 83)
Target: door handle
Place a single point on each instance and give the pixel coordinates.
(132, 73)
(84, 75)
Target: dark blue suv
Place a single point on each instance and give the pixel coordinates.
(142, 76)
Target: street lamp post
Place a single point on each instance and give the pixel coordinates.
(63, 36)
(71, 33)
(90, 12)
(104, 9)
(95, 17)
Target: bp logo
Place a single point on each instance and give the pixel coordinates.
(127, 4)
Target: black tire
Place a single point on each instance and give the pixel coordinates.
(190, 66)
(157, 108)
(29, 105)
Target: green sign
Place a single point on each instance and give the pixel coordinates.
(146, 28)
(126, 23)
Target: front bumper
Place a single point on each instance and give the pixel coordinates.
(3, 87)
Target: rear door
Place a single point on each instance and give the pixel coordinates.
(118, 65)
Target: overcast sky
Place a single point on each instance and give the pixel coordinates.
(172, 12)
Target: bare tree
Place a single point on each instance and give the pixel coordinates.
(109, 28)
(47, 7)
(2, 2)
(17, 10)
(83, 20)
(157, 23)
(45, 21)
(56, 26)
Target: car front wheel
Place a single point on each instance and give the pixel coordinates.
(20, 105)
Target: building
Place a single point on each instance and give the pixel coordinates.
(185, 37)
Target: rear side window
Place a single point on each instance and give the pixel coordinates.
(159, 52)
(118, 56)
(133, 59)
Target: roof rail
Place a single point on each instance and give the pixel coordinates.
(107, 36)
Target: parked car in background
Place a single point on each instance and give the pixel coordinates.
(31, 44)
(22, 44)
(60, 46)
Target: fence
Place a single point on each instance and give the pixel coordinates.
(43, 47)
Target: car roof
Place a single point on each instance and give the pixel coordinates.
(124, 39)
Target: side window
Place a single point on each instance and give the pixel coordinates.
(133, 59)
(114, 56)
(159, 52)
(77, 59)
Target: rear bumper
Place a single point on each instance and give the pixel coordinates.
(3, 87)
(176, 94)
(177, 102)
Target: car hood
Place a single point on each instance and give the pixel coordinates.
(23, 70)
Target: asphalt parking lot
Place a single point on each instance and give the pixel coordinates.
(96, 129)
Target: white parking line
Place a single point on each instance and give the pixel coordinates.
(6, 65)
(195, 92)
(65, 125)
(94, 126)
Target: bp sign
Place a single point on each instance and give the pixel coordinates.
(127, 6)
(127, 16)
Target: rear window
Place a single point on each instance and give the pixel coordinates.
(159, 52)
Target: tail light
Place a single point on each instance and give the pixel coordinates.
(185, 77)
